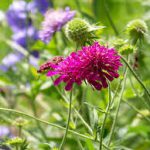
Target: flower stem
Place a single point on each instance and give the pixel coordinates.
(68, 121)
(116, 92)
(117, 110)
(137, 78)
(20, 131)
(17, 148)
(137, 110)
(80, 144)
(37, 122)
(136, 92)
(84, 122)
(42, 121)
(78, 114)
(105, 118)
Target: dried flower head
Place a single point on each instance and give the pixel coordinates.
(50, 64)
(95, 64)
(54, 21)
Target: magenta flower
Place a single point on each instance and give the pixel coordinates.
(94, 64)
(54, 21)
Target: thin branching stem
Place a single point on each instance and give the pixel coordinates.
(20, 131)
(37, 122)
(80, 144)
(17, 148)
(137, 110)
(68, 121)
(118, 87)
(137, 94)
(116, 92)
(105, 118)
(78, 114)
(137, 78)
(51, 124)
(117, 110)
(42, 121)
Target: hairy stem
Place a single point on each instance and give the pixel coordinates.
(84, 122)
(136, 92)
(17, 148)
(105, 117)
(137, 110)
(20, 131)
(137, 78)
(78, 114)
(37, 122)
(68, 121)
(116, 92)
(80, 144)
(117, 110)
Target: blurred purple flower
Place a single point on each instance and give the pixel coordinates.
(17, 16)
(20, 22)
(34, 61)
(25, 36)
(54, 21)
(95, 64)
(4, 131)
(35, 53)
(10, 60)
(23, 32)
(41, 5)
(3, 68)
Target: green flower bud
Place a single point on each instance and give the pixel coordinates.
(80, 31)
(15, 141)
(117, 43)
(127, 49)
(136, 29)
(20, 122)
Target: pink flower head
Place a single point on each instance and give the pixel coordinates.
(95, 64)
(54, 21)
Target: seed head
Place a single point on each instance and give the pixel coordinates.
(81, 32)
(136, 29)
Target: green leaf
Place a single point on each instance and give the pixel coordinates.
(4, 4)
(90, 145)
